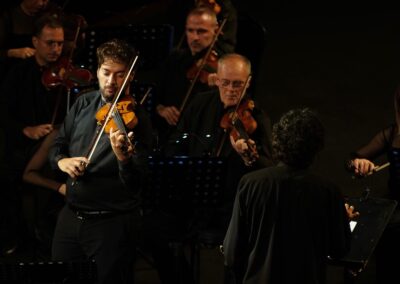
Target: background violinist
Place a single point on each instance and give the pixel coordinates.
(17, 27)
(174, 78)
(26, 118)
(102, 214)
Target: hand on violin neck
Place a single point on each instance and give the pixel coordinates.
(122, 144)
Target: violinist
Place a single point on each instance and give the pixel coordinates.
(176, 75)
(209, 113)
(27, 112)
(199, 134)
(17, 28)
(101, 218)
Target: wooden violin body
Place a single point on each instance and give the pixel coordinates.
(123, 113)
(210, 66)
(65, 74)
(240, 124)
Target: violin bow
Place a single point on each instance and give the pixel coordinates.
(202, 64)
(378, 168)
(58, 101)
(145, 96)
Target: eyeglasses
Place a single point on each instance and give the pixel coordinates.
(235, 84)
(51, 43)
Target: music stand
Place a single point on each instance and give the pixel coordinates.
(194, 182)
(375, 214)
(187, 187)
(154, 42)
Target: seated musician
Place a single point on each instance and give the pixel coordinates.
(176, 80)
(201, 125)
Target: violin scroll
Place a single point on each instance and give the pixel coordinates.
(212, 4)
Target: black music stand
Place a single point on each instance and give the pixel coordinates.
(194, 182)
(154, 43)
(190, 186)
(375, 214)
(84, 272)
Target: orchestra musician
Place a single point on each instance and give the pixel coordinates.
(17, 28)
(176, 75)
(101, 218)
(28, 108)
(362, 164)
(203, 124)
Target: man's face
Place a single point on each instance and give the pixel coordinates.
(231, 78)
(200, 31)
(49, 45)
(110, 76)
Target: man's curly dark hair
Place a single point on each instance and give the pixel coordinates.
(297, 138)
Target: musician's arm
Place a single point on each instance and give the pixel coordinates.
(33, 172)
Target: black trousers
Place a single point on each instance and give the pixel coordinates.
(109, 240)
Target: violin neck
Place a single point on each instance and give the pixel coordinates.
(121, 126)
(238, 125)
(118, 121)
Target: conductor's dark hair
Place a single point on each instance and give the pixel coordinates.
(117, 50)
(297, 137)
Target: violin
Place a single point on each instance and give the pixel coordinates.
(210, 54)
(240, 124)
(65, 74)
(123, 116)
(210, 66)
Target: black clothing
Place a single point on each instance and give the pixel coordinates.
(107, 185)
(25, 102)
(173, 85)
(110, 240)
(201, 123)
(285, 223)
(387, 141)
(169, 225)
(16, 30)
(91, 191)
